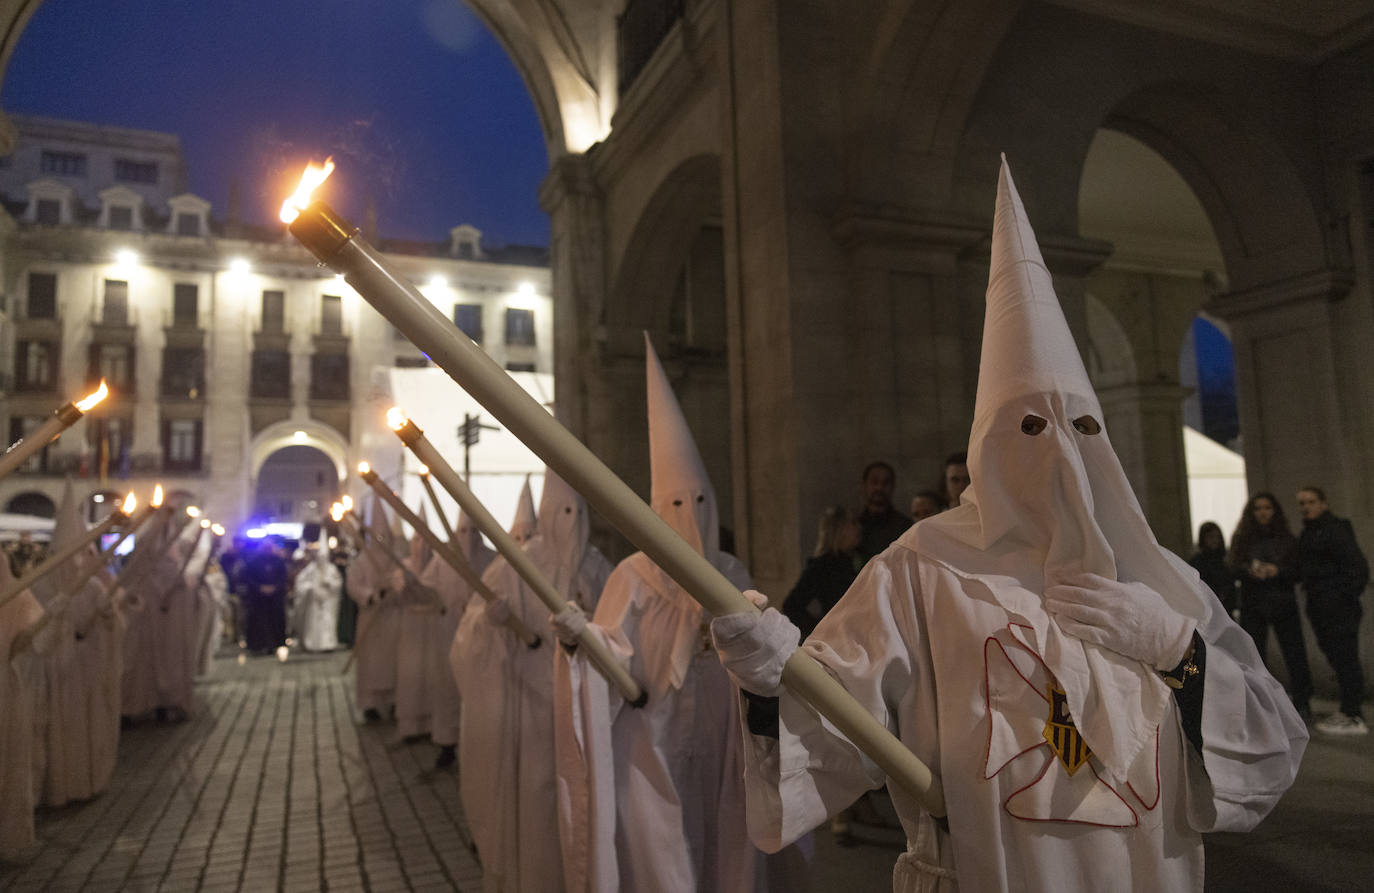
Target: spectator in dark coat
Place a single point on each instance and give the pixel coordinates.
(1210, 563)
(880, 522)
(1333, 572)
(1261, 556)
(829, 571)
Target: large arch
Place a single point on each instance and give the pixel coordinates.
(564, 59)
(298, 433)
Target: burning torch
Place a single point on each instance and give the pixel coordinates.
(63, 418)
(57, 559)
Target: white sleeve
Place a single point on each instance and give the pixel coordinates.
(811, 771)
(1252, 737)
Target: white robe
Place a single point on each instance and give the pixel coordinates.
(211, 598)
(652, 798)
(445, 708)
(17, 731)
(61, 706)
(506, 742)
(379, 627)
(174, 629)
(415, 679)
(933, 654)
(319, 586)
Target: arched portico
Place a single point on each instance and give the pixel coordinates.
(298, 433)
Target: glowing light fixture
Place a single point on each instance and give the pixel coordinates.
(126, 258)
(98, 498)
(299, 436)
(437, 281)
(239, 266)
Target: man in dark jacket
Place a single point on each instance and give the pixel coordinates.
(879, 522)
(1333, 572)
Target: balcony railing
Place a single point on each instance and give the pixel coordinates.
(639, 31)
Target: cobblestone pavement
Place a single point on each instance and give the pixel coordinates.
(274, 783)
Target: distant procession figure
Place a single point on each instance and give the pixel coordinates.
(1334, 572)
(319, 589)
(1262, 555)
(379, 622)
(265, 575)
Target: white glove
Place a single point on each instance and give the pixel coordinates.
(1128, 618)
(498, 612)
(753, 647)
(569, 623)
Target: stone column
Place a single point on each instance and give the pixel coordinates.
(1290, 385)
(573, 201)
(1145, 420)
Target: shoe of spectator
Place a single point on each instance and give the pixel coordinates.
(1342, 724)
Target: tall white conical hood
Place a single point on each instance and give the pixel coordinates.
(68, 529)
(564, 527)
(1049, 498)
(680, 492)
(525, 524)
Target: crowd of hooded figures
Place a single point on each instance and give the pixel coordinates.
(79, 655)
(1087, 705)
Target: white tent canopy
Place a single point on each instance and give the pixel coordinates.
(1217, 490)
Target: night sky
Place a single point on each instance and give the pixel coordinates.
(419, 104)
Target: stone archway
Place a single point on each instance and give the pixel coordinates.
(33, 502)
(295, 483)
(298, 433)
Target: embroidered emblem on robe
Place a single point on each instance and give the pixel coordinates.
(1043, 781)
(1061, 734)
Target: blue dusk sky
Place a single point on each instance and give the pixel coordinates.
(417, 101)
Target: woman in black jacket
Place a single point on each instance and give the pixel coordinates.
(1262, 555)
(1210, 563)
(828, 572)
(1333, 572)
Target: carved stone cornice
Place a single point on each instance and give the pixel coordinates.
(1318, 286)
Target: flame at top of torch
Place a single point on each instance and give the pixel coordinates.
(217, 529)
(130, 503)
(204, 523)
(313, 176)
(364, 468)
(336, 511)
(88, 403)
(157, 497)
(424, 470)
(346, 502)
(192, 511)
(396, 418)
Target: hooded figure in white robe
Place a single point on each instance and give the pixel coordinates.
(507, 736)
(445, 700)
(139, 682)
(17, 738)
(419, 614)
(63, 707)
(652, 798)
(212, 599)
(1088, 707)
(379, 620)
(172, 610)
(103, 629)
(319, 587)
(524, 525)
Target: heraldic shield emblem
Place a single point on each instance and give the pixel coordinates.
(1063, 738)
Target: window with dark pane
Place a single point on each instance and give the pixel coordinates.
(520, 327)
(48, 212)
(181, 444)
(67, 164)
(42, 296)
(188, 224)
(271, 374)
(273, 311)
(183, 372)
(185, 305)
(329, 376)
(331, 315)
(135, 171)
(121, 217)
(35, 366)
(115, 310)
(114, 363)
(468, 318)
